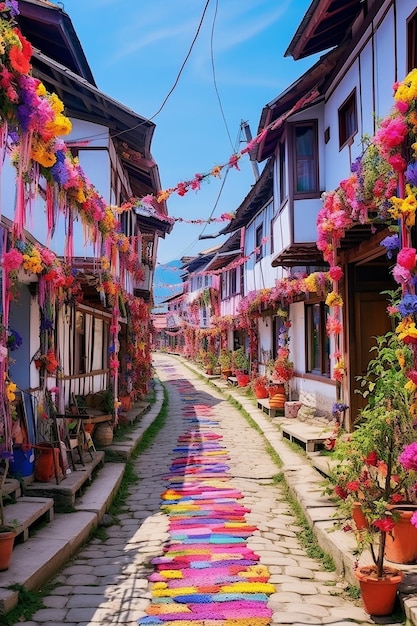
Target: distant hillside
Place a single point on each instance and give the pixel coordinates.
(166, 275)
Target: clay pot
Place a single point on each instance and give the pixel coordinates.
(261, 392)
(125, 403)
(378, 594)
(6, 549)
(242, 379)
(401, 543)
(103, 434)
(358, 517)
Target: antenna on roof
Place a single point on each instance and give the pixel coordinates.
(246, 129)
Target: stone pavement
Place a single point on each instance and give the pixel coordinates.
(116, 581)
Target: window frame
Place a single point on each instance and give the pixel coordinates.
(348, 107)
(315, 192)
(259, 235)
(317, 364)
(411, 41)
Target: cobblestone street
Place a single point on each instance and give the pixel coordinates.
(206, 536)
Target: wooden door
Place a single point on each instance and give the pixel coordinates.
(371, 320)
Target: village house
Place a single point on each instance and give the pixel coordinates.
(81, 340)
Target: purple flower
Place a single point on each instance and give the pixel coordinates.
(391, 243)
(411, 174)
(339, 407)
(14, 340)
(408, 457)
(356, 165)
(46, 324)
(59, 172)
(408, 305)
(13, 7)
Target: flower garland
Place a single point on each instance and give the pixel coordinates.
(382, 188)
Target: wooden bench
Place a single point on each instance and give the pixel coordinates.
(308, 436)
(263, 404)
(25, 512)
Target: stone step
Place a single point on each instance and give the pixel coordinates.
(26, 513)
(70, 487)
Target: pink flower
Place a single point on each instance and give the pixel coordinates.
(402, 106)
(412, 375)
(413, 519)
(401, 274)
(407, 258)
(336, 273)
(408, 457)
(397, 162)
(12, 260)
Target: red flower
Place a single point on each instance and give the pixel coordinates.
(353, 485)
(385, 524)
(372, 459)
(340, 492)
(396, 497)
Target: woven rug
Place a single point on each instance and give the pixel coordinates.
(207, 575)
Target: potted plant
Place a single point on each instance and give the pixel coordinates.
(210, 361)
(369, 474)
(240, 365)
(259, 384)
(7, 530)
(225, 362)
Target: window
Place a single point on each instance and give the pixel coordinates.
(412, 42)
(305, 159)
(317, 340)
(91, 347)
(258, 243)
(233, 281)
(348, 120)
(282, 174)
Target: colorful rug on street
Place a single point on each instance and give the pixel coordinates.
(207, 575)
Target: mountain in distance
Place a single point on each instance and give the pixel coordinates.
(167, 282)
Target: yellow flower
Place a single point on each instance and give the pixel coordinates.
(310, 283)
(41, 90)
(410, 386)
(404, 208)
(105, 263)
(10, 391)
(334, 299)
(400, 358)
(407, 90)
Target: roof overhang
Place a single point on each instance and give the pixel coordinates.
(48, 27)
(258, 196)
(305, 92)
(325, 25)
(132, 133)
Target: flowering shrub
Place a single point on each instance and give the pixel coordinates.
(373, 468)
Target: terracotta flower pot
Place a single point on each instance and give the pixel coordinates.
(6, 549)
(358, 517)
(378, 594)
(242, 379)
(125, 403)
(401, 543)
(261, 392)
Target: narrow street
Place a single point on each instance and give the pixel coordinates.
(206, 536)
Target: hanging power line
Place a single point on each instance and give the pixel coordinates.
(170, 92)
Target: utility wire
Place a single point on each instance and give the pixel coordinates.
(170, 92)
(214, 74)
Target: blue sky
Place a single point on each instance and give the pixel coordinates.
(136, 51)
